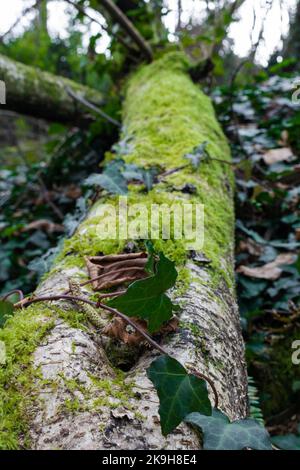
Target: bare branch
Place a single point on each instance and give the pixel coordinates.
(83, 11)
(128, 26)
(91, 106)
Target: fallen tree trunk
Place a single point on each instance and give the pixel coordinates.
(32, 92)
(60, 391)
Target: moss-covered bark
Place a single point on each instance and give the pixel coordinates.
(40, 94)
(165, 116)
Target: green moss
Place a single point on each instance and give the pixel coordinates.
(111, 393)
(115, 388)
(21, 335)
(165, 117)
(74, 317)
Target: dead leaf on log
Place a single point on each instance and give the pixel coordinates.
(280, 154)
(115, 270)
(119, 329)
(270, 271)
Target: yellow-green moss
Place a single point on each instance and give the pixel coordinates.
(21, 335)
(165, 117)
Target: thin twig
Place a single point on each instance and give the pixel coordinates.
(82, 10)
(45, 191)
(128, 26)
(14, 291)
(174, 170)
(209, 381)
(136, 327)
(24, 302)
(91, 106)
(127, 320)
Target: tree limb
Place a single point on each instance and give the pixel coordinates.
(128, 26)
(33, 92)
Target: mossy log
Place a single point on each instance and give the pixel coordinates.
(58, 390)
(40, 94)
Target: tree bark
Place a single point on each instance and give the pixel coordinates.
(33, 92)
(75, 399)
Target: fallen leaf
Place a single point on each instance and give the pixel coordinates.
(73, 192)
(116, 270)
(277, 155)
(251, 247)
(270, 271)
(147, 299)
(284, 138)
(124, 332)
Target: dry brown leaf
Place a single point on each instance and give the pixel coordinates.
(119, 329)
(284, 138)
(115, 270)
(270, 271)
(251, 247)
(73, 192)
(277, 155)
(298, 234)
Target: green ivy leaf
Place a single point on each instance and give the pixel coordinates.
(111, 179)
(6, 309)
(220, 434)
(146, 298)
(179, 392)
(198, 155)
(288, 441)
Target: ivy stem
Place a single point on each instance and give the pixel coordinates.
(25, 302)
(15, 291)
(209, 381)
(127, 320)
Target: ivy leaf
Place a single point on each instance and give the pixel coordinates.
(111, 179)
(287, 442)
(146, 298)
(179, 392)
(198, 155)
(220, 434)
(6, 309)
(145, 176)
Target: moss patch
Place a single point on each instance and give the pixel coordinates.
(165, 117)
(21, 335)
